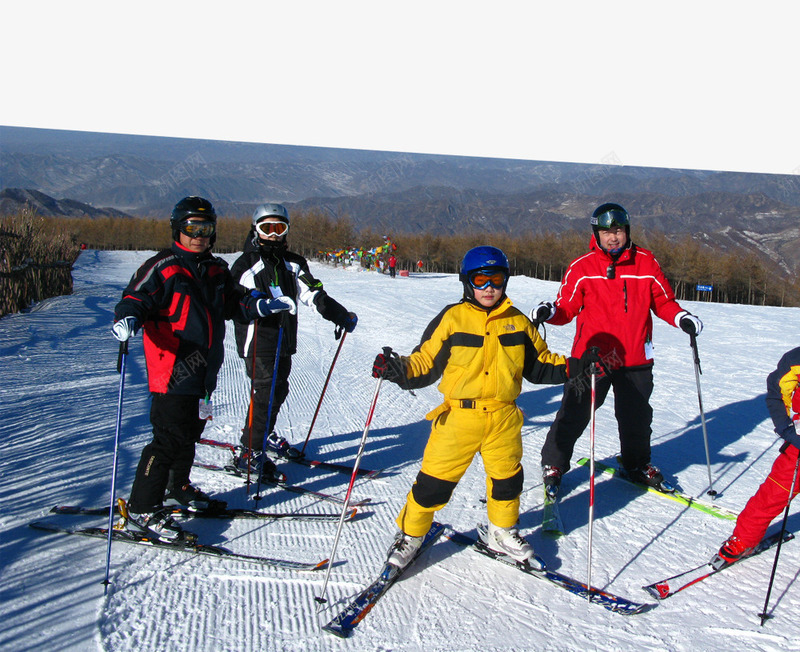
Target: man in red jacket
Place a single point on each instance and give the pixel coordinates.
(611, 291)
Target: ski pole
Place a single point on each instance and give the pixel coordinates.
(324, 387)
(250, 409)
(122, 359)
(764, 615)
(257, 497)
(593, 374)
(322, 599)
(697, 372)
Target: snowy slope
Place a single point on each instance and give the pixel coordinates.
(58, 402)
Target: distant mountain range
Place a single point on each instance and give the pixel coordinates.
(13, 200)
(395, 191)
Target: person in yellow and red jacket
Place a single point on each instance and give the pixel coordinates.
(783, 404)
(611, 292)
(181, 297)
(481, 348)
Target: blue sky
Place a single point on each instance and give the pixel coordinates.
(695, 85)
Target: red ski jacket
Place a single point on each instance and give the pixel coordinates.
(612, 301)
(182, 300)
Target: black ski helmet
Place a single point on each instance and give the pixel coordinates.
(483, 258)
(607, 215)
(191, 207)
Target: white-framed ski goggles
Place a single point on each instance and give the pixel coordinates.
(268, 228)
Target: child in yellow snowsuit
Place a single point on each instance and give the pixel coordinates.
(481, 348)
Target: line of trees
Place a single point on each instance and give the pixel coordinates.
(35, 261)
(735, 277)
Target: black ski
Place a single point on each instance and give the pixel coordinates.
(230, 469)
(345, 622)
(329, 466)
(678, 496)
(594, 595)
(194, 547)
(209, 513)
(672, 585)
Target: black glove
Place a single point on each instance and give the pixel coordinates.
(541, 313)
(577, 367)
(388, 366)
(690, 324)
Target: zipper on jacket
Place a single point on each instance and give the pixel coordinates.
(625, 293)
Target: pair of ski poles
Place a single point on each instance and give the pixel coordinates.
(122, 359)
(763, 615)
(593, 372)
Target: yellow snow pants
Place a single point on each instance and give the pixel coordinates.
(488, 427)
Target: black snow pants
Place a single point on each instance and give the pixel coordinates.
(169, 456)
(261, 378)
(632, 389)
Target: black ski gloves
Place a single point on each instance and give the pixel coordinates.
(389, 366)
(541, 313)
(577, 367)
(689, 324)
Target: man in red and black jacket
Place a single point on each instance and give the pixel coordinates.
(611, 291)
(181, 297)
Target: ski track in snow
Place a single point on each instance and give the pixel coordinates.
(58, 408)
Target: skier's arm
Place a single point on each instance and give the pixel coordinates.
(781, 386)
(541, 366)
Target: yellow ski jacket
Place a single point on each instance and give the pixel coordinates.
(482, 356)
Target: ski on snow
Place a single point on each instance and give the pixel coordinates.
(605, 599)
(230, 469)
(678, 496)
(344, 623)
(209, 513)
(189, 546)
(672, 585)
(329, 466)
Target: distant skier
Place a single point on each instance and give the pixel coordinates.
(181, 297)
(783, 404)
(267, 266)
(481, 348)
(611, 291)
(392, 265)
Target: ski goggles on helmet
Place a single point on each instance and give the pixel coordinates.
(482, 279)
(198, 229)
(267, 229)
(613, 217)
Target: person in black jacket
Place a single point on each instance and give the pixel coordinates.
(267, 267)
(182, 297)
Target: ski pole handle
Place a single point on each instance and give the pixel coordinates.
(123, 351)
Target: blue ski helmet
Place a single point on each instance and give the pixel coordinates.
(483, 258)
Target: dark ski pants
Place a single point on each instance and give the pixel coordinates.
(169, 456)
(261, 378)
(632, 389)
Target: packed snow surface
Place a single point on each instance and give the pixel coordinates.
(58, 407)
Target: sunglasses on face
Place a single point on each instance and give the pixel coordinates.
(272, 228)
(482, 280)
(612, 218)
(198, 229)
